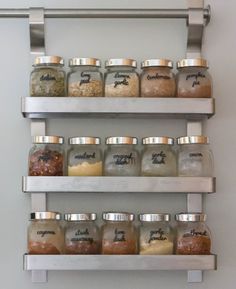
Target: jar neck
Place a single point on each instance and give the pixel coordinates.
(84, 146)
(51, 66)
(193, 69)
(121, 68)
(84, 67)
(154, 68)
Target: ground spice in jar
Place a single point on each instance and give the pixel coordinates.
(85, 169)
(92, 89)
(109, 247)
(157, 247)
(39, 248)
(194, 245)
(83, 247)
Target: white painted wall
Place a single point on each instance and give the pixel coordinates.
(139, 39)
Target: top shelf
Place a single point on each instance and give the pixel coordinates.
(62, 107)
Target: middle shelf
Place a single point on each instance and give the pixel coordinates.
(108, 184)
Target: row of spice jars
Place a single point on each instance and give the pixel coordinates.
(118, 235)
(121, 79)
(121, 158)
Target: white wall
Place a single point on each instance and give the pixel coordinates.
(139, 39)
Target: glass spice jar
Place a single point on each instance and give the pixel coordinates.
(85, 78)
(121, 79)
(47, 77)
(193, 79)
(46, 157)
(195, 158)
(158, 157)
(121, 157)
(45, 234)
(119, 236)
(156, 236)
(84, 158)
(193, 235)
(82, 235)
(157, 78)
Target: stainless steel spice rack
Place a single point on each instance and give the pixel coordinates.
(193, 110)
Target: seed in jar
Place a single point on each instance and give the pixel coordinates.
(85, 169)
(94, 88)
(194, 245)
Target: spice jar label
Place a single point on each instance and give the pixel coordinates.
(158, 158)
(195, 77)
(196, 156)
(42, 234)
(157, 235)
(47, 77)
(85, 156)
(85, 78)
(119, 236)
(124, 159)
(157, 76)
(124, 81)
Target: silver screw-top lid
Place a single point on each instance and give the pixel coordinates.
(118, 216)
(121, 62)
(84, 61)
(84, 140)
(157, 62)
(195, 62)
(154, 217)
(47, 139)
(158, 140)
(45, 216)
(49, 60)
(80, 217)
(190, 217)
(114, 140)
(196, 139)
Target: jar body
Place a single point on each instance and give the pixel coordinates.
(46, 160)
(157, 82)
(84, 160)
(195, 160)
(121, 160)
(119, 238)
(82, 237)
(193, 238)
(158, 160)
(85, 81)
(156, 238)
(47, 81)
(194, 82)
(45, 237)
(121, 82)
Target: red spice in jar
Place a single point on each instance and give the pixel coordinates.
(119, 248)
(83, 248)
(194, 245)
(41, 248)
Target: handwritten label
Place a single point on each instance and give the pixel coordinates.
(196, 77)
(85, 78)
(195, 155)
(86, 156)
(157, 76)
(45, 158)
(43, 233)
(124, 81)
(124, 159)
(157, 235)
(193, 232)
(82, 236)
(119, 236)
(47, 77)
(158, 158)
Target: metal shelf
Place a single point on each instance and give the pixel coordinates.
(119, 184)
(119, 262)
(60, 107)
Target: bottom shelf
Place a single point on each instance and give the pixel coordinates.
(119, 262)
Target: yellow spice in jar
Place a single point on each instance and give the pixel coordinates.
(157, 247)
(86, 169)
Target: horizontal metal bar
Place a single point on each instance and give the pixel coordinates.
(121, 262)
(119, 184)
(104, 13)
(54, 107)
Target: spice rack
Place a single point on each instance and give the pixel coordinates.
(38, 109)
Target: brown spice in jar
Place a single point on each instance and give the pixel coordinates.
(92, 89)
(200, 91)
(83, 248)
(194, 245)
(119, 248)
(46, 163)
(41, 248)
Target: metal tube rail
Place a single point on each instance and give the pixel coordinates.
(104, 13)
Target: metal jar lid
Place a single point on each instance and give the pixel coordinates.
(47, 139)
(194, 62)
(119, 217)
(121, 62)
(126, 140)
(80, 217)
(157, 62)
(84, 140)
(158, 140)
(190, 217)
(154, 217)
(49, 60)
(84, 61)
(45, 216)
(196, 139)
